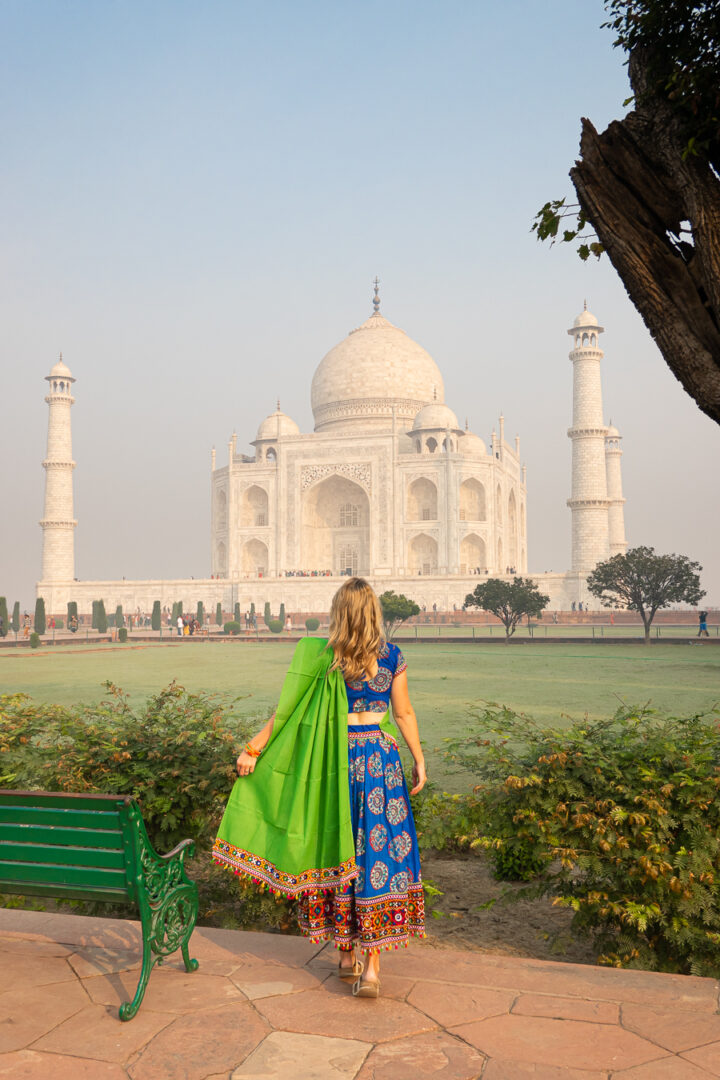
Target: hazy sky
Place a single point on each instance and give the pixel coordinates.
(196, 197)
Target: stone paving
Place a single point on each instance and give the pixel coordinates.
(263, 1006)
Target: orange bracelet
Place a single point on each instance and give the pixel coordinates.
(252, 751)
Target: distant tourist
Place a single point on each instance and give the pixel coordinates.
(288, 624)
(357, 877)
(702, 619)
(179, 626)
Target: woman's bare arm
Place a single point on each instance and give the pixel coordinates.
(406, 720)
(246, 762)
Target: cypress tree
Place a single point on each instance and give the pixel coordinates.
(281, 616)
(201, 613)
(252, 609)
(16, 616)
(71, 610)
(93, 623)
(39, 615)
(173, 617)
(218, 614)
(119, 617)
(180, 611)
(102, 623)
(267, 615)
(155, 618)
(237, 616)
(4, 622)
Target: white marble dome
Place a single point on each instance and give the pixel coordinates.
(436, 416)
(585, 318)
(60, 371)
(472, 444)
(374, 369)
(276, 425)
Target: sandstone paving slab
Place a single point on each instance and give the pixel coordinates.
(516, 1070)
(25, 1015)
(435, 1054)
(707, 1057)
(31, 1065)
(670, 1068)
(392, 986)
(598, 1012)
(312, 1057)
(258, 980)
(196, 1046)
(285, 948)
(167, 990)
(672, 1029)
(22, 970)
(96, 1032)
(87, 962)
(568, 1043)
(312, 1012)
(452, 1005)
(23, 943)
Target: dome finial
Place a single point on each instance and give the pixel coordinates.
(61, 359)
(278, 404)
(584, 305)
(376, 297)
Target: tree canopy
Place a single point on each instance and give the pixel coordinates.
(509, 600)
(649, 185)
(644, 582)
(396, 608)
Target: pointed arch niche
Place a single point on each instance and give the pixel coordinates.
(423, 554)
(221, 509)
(254, 511)
(512, 531)
(422, 500)
(335, 527)
(472, 501)
(254, 557)
(473, 555)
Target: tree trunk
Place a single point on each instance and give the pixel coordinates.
(634, 188)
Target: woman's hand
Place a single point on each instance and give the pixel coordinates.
(245, 764)
(419, 777)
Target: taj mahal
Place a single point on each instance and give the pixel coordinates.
(389, 485)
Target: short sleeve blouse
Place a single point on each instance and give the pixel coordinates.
(373, 695)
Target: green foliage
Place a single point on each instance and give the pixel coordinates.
(282, 616)
(59, 624)
(624, 816)
(175, 753)
(275, 626)
(15, 623)
(509, 601)
(34, 640)
(71, 610)
(547, 225)
(252, 608)
(156, 617)
(119, 617)
(231, 627)
(4, 621)
(644, 582)
(237, 614)
(312, 624)
(122, 634)
(101, 618)
(39, 624)
(174, 613)
(93, 623)
(267, 615)
(201, 613)
(218, 614)
(396, 608)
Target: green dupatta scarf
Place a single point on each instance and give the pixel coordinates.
(288, 824)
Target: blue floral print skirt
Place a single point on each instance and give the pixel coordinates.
(383, 907)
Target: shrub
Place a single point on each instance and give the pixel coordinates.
(119, 617)
(281, 615)
(4, 621)
(275, 626)
(312, 624)
(237, 614)
(40, 623)
(71, 610)
(232, 627)
(59, 624)
(15, 622)
(122, 634)
(156, 617)
(200, 613)
(623, 814)
(267, 614)
(101, 618)
(34, 640)
(218, 614)
(252, 609)
(175, 753)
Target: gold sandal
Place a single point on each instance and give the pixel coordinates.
(351, 972)
(369, 988)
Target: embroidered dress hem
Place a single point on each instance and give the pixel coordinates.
(245, 864)
(380, 923)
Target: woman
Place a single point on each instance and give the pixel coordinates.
(326, 816)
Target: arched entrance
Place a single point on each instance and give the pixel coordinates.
(422, 500)
(336, 527)
(255, 558)
(423, 554)
(472, 554)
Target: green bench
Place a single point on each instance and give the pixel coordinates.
(95, 847)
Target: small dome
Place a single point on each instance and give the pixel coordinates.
(585, 318)
(60, 370)
(435, 416)
(472, 444)
(612, 433)
(276, 425)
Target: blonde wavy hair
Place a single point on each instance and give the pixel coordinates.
(356, 629)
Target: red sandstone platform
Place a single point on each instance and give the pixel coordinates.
(262, 1006)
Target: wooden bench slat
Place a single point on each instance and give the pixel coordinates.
(58, 836)
(77, 819)
(47, 873)
(101, 858)
(64, 799)
(65, 892)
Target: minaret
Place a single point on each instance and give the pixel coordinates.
(589, 498)
(58, 523)
(613, 471)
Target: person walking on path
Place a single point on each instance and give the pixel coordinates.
(703, 630)
(180, 626)
(321, 810)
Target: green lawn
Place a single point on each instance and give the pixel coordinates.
(549, 682)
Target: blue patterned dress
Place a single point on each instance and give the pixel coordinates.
(383, 907)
